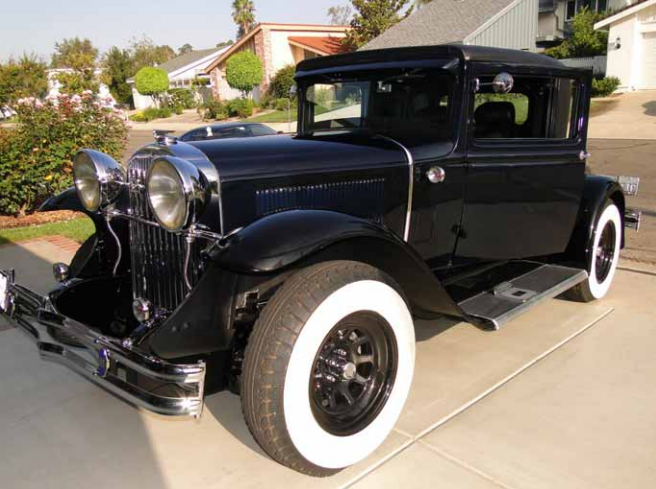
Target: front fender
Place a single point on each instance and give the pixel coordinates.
(299, 238)
(65, 201)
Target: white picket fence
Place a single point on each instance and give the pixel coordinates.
(596, 63)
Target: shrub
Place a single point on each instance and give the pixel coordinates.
(181, 97)
(214, 110)
(605, 86)
(282, 82)
(244, 71)
(36, 156)
(151, 81)
(152, 113)
(282, 104)
(240, 107)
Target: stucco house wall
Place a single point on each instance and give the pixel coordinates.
(632, 46)
(271, 44)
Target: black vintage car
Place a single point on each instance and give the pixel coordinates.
(445, 180)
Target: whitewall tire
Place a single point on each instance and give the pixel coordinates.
(604, 256)
(328, 367)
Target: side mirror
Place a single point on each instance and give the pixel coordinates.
(503, 83)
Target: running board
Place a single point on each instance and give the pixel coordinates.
(507, 300)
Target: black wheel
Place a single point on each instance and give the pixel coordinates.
(328, 367)
(605, 255)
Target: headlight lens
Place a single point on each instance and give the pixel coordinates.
(177, 192)
(98, 179)
(86, 182)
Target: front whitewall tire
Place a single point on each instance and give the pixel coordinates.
(288, 362)
(310, 439)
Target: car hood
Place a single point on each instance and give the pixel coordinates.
(258, 157)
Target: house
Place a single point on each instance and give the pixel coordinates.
(632, 45)
(499, 23)
(54, 85)
(277, 46)
(182, 70)
(555, 17)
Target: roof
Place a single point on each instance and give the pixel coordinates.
(421, 53)
(291, 27)
(440, 22)
(188, 58)
(624, 12)
(320, 45)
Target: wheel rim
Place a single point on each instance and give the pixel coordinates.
(605, 252)
(353, 373)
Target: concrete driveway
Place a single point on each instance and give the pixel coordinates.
(562, 397)
(629, 116)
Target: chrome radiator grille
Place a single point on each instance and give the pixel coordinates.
(158, 256)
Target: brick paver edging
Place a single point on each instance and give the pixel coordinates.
(66, 244)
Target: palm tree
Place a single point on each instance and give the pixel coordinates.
(243, 13)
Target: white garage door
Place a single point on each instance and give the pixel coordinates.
(648, 78)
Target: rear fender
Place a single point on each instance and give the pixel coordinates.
(596, 190)
(294, 239)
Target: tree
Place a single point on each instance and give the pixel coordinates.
(244, 72)
(282, 82)
(584, 41)
(117, 68)
(372, 18)
(340, 14)
(186, 48)
(78, 55)
(223, 44)
(75, 53)
(146, 53)
(152, 82)
(243, 13)
(23, 78)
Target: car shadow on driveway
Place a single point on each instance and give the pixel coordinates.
(57, 429)
(650, 108)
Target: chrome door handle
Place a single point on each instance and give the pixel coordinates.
(584, 155)
(436, 174)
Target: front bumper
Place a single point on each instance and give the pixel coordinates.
(137, 377)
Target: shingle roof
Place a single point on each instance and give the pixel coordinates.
(187, 59)
(325, 45)
(439, 22)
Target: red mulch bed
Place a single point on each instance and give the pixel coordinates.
(37, 218)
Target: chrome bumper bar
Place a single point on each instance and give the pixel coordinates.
(141, 379)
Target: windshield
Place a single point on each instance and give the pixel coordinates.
(410, 103)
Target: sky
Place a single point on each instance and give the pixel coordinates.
(34, 26)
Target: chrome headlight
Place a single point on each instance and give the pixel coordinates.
(98, 179)
(177, 192)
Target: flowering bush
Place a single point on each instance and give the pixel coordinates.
(36, 157)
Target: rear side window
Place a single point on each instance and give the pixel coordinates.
(536, 108)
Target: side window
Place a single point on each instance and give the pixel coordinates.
(536, 108)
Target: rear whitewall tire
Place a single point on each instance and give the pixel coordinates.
(596, 286)
(281, 358)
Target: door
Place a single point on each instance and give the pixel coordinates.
(525, 171)
(648, 76)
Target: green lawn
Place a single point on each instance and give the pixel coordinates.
(276, 116)
(76, 229)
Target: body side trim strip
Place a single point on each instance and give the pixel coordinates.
(411, 184)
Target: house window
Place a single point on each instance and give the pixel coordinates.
(571, 9)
